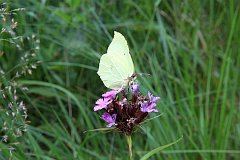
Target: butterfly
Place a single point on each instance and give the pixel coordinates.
(116, 68)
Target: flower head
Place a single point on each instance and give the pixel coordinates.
(124, 110)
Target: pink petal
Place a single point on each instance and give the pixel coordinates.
(99, 107)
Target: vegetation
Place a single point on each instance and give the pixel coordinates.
(190, 48)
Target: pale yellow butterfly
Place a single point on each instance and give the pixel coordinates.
(116, 66)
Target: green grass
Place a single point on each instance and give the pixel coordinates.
(190, 48)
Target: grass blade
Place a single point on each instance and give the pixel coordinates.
(156, 150)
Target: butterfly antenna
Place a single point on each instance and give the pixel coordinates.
(143, 74)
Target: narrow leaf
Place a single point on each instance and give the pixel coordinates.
(156, 150)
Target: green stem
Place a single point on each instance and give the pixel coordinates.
(129, 140)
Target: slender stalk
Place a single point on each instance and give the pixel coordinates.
(129, 141)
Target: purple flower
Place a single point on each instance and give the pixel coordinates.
(146, 107)
(152, 98)
(131, 108)
(112, 93)
(102, 103)
(110, 119)
(135, 89)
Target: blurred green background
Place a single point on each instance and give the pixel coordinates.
(190, 48)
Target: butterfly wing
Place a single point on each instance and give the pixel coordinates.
(116, 66)
(110, 73)
(119, 46)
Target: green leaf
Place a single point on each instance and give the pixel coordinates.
(156, 150)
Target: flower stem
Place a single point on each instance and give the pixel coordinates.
(129, 141)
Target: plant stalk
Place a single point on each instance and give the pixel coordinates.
(129, 141)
